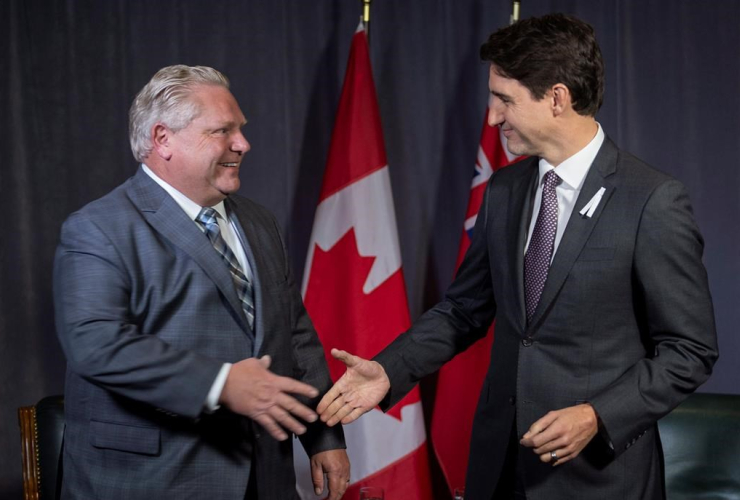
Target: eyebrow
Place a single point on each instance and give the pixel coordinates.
(230, 124)
(503, 97)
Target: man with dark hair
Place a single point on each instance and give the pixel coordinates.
(184, 331)
(590, 261)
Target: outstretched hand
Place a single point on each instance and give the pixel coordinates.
(254, 391)
(358, 391)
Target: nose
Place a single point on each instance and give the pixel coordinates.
(240, 144)
(495, 114)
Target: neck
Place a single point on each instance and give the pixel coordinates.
(572, 139)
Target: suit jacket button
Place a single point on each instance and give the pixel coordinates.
(527, 341)
(512, 400)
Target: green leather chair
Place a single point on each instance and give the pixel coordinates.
(701, 448)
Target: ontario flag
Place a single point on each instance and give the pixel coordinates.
(354, 290)
(459, 382)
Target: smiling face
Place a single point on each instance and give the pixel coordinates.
(525, 122)
(202, 160)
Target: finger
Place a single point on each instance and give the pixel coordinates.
(292, 405)
(337, 485)
(354, 415)
(340, 414)
(272, 428)
(293, 386)
(286, 420)
(329, 398)
(560, 443)
(538, 427)
(331, 410)
(317, 477)
(565, 459)
(265, 361)
(562, 455)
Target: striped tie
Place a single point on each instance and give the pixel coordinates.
(208, 219)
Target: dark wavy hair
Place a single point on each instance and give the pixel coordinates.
(542, 51)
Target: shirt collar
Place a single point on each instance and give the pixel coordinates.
(189, 206)
(573, 170)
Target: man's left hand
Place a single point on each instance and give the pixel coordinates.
(565, 432)
(335, 464)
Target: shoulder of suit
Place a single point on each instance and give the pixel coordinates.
(633, 172)
(248, 207)
(114, 205)
(520, 168)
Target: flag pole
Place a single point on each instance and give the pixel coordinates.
(366, 18)
(515, 8)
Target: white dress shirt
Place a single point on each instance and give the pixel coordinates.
(232, 238)
(572, 172)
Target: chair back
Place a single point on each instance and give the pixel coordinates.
(701, 448)
(42, 436)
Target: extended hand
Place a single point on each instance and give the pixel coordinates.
(358, 391)
(254, 391)
(566, 432)
(335, 464)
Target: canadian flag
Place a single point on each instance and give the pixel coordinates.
(459, 382)
(354, 289)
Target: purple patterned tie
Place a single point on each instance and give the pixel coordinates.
(539, 254)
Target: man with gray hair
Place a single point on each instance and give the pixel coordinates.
(191, 359)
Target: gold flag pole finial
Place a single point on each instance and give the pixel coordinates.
(366, 17)
(515, 7)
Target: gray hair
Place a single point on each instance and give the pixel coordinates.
(165, 99)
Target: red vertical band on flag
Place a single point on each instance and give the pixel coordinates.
(357, 147)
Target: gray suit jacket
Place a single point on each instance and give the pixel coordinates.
(625, 322)
(147, 314)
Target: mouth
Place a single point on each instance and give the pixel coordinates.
(229, 164)
(507, 131)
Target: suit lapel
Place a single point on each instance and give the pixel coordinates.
(579, 226)
(520, 203)
(166, 216)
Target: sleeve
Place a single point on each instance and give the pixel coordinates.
(310, 365)
(102, 343)
(672, 295)
(450, 327)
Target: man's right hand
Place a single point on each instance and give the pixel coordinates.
(254, 391)
(358, 391)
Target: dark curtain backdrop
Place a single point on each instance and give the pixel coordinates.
(71, 68)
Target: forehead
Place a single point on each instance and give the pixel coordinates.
(217, 103)
(498, 83)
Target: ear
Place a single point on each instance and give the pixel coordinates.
(561, 99)
(161, 136)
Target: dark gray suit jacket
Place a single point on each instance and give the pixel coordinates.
(147, 314)
(625, 322)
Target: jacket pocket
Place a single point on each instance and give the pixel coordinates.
(121, 437)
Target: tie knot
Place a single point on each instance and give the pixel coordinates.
(207, 216)
(551, 180)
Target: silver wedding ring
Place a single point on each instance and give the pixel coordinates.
(554, 456)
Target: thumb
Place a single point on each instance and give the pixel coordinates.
(348, 359)
(317, 477)
(265, 361)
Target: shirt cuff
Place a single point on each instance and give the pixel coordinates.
(211, 404)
